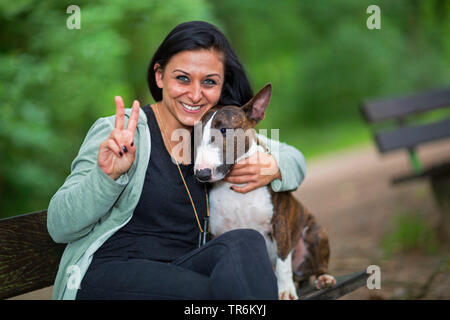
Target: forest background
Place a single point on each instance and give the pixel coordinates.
(320, 56)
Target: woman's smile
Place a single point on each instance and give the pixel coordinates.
(191, 108)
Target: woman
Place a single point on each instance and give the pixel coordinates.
(124, 209)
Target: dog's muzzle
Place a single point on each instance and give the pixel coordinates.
(203, 175)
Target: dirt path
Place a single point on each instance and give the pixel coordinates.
(351, 195)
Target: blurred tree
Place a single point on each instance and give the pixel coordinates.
(319, 55)
(323, 60)
(56, 82)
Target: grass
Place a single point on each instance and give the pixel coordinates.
(411, 232)
(318, 141)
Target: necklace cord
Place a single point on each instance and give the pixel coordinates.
(182, 177)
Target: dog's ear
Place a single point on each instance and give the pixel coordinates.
(256, 107)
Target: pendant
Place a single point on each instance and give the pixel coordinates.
(203, 236)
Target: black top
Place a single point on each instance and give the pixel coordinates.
(163, 226)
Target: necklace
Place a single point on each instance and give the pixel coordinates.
(203, 231)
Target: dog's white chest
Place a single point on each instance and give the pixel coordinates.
(232, 210)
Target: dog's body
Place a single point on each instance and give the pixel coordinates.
(295, 242)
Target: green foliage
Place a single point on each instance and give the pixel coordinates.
(319, 56)
(323, 61)
(56, 82)
(411, 232)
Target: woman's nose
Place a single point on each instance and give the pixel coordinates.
(195, 94)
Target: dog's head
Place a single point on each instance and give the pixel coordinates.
(226, 134)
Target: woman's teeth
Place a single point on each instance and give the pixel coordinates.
(191, 108)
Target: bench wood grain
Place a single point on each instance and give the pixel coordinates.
(29, 258)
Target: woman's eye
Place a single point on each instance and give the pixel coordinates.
(209, 82)
(183, 78)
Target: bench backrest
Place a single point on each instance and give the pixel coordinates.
(376, 111)
(407, 136)
(29, 258)
(398, 108)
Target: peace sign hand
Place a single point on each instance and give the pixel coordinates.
(117, 153)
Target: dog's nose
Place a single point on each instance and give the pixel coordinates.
(203, 174)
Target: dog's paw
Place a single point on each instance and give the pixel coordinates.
(288, 292)
(325, 281)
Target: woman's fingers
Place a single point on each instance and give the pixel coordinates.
(114, 147)
(240, 179)
(132, 122)
(120, 113)
(247, 188)
(243, 171)
(241, 164)
(124, 139)
(120, 142)
(245, 164)
(116, 135)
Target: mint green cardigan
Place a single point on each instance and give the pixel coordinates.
(89, 207)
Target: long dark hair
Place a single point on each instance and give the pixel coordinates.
(195, 35)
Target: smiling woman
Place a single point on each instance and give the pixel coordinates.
(131, 216)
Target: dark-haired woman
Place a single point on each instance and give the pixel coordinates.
(124, 210)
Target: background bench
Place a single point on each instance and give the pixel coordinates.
(29, 260)
(408, 136)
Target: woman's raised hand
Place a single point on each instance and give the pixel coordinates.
(116, 154)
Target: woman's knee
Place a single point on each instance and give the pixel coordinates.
(250, 236)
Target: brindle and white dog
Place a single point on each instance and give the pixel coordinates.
(295, 242)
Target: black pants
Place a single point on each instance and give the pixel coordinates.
(234, 265)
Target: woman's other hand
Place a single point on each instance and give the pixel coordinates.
(117, 153)
(257, 170)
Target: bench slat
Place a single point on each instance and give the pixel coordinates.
(385, 109)
(408, 137)
(344, 284)
(29, 258)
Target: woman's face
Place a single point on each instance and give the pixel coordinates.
(191, 82)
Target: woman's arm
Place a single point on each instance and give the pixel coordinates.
(291, 163)
(87, 194)
(288, 168)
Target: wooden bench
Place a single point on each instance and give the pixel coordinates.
(29, 260)
(409, 136)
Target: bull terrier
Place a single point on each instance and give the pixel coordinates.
(294, 240)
